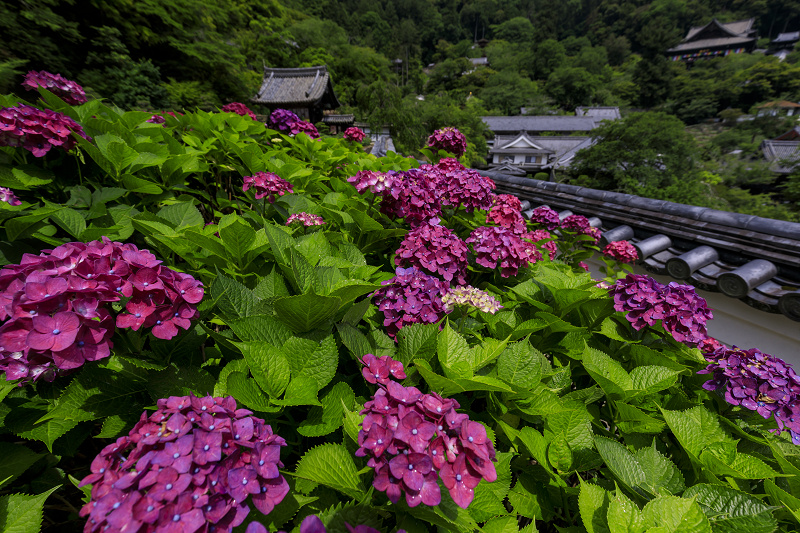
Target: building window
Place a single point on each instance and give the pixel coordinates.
(530, 159)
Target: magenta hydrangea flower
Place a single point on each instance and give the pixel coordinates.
(8, 196)
(622, 251)
(282, 120)
(267, 184)
(354, 134)
(508, 200)
(507, 217)
(449, 164)
(496, 246)
(239, 109)
(67, 90)
(413, 195)
(545, 216)
(464, 188)
(302, 126)
(450, 140)
(410, 297)
(578, 223)
(682, 312)
(434, 249)
(412, 438)
(307, 219)
(192, 463)
(57, 311)
(156, 119)
(548, 245)
(757, 381)
(37, 130)
(375, 182)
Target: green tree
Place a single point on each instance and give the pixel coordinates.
(648, 154)
(572, 86)
(516, 30)
(507, 91)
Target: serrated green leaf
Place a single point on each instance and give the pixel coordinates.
(660, 474)
(260, 328)
(245, 390)
(621, 462)
(20, 513)
(454, 353)
(501, 524)
(301, 391)
(14, 460)
(112, 427)
(607, 372)
(180, 381)
(181, 214)
(354, 340)
(695, 428)
(631, 419)
(520, 364)
(733, 511)
(559, 454)
(315, 360)
(330, 417)
(524, 502)
(676, 515)
(623, 515)
(307, 311)
(233, 299)
(333, 466)
(593, 505)
(417, 341)
(268, 365)
(70, 221)
(139, 185)
(237, 238)
(271, 286)
(650, 378)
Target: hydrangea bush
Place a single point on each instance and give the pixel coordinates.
(533, 399)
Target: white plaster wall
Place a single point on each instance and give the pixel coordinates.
(736, 323)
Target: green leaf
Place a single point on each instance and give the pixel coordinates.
(417, 341)
(695, 428)
(139, 185)
(70, 221)
(333, 466)
(620, 461)
(732, 511)
(559, 454)
(260, 328)
(676, 515)
(593, 504)
(623, 515)
(725, 461)
(454, 353)
(14, 460)
(280, 242)
(354, 340)
(271, 286)
(520, 364)
(660, 474)
(607, 372)
(268, 365)
(315, 360)
(20, 513)
(650, 379)
(237, 238)
(181, 214)
(233, 299)
(500, 524)
(306, 311)
(246, 391)
(524, 502)
(330, 417)
(180, 381)
(301, 391)
(631, 419)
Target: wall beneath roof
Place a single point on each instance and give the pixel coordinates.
(736, 323)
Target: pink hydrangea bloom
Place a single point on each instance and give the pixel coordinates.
(545, 216)
(267, 184)
(302, 126)
(375, 182)
(463, 188)
(307, 219)
(621, 251)
(450, 140)
(539, 235)
(500, 247)
(239, 109)
(8, 196)
(354, 134)
(194, 462)
(57, 310)
(434, 249)
(37, 130)
(413, 195)
(67, 90)
(412, 439)
(410, 297)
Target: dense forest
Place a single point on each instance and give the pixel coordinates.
(406, 63)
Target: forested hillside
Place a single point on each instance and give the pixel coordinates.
(406, 63)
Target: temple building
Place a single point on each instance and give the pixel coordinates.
(307, 92)
(715, 39)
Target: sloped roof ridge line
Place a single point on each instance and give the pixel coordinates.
(778, 228)
(300, 71)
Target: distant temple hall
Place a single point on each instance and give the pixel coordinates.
(715, 39)
(308, 92)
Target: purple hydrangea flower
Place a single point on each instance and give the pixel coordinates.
(463, 188)
(412, 439)
(413, 195)
(683, 313)
(267, 184)
(434, 249)
(547, 217)
(495, 246)
(182, 468)
(548, 244)
(282, 120)
(450, 140)
(8, 196)
(67, 90)
(301, 126)
(410, 297)
(375, 182)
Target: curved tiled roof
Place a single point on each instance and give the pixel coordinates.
(540, 123)
(753, 259)
(294, 86)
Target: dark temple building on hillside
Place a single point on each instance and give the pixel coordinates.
(308, 92)
(715, 39)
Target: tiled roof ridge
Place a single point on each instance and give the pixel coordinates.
(750, 258)
(296, 72)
